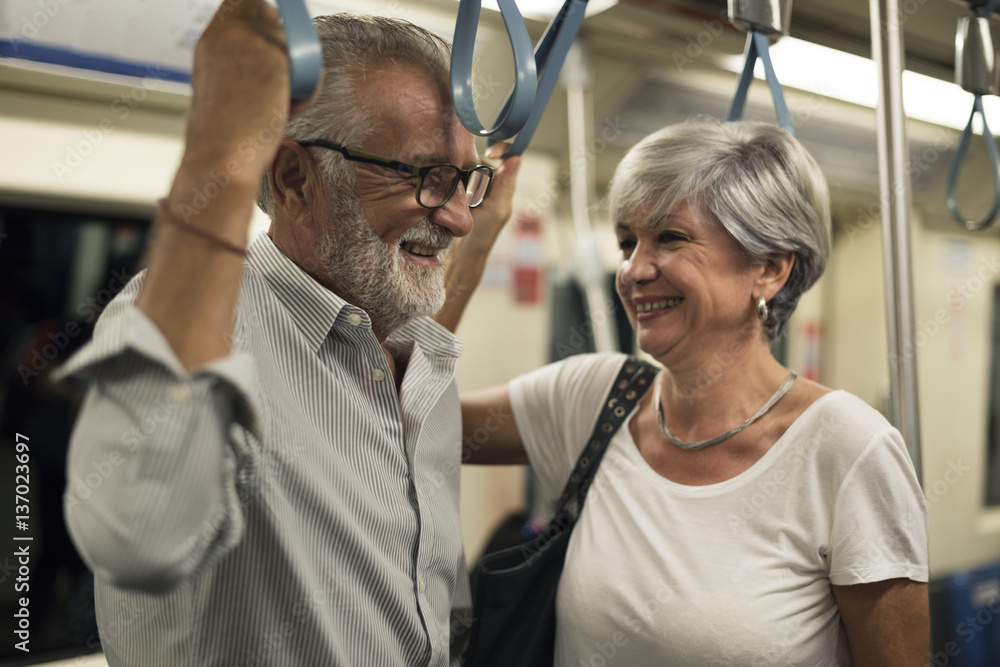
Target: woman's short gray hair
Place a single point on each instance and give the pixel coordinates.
(355, 45)
(753, 178)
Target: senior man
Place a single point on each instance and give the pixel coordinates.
(282, 431)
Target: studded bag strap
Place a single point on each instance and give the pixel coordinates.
(634, 378)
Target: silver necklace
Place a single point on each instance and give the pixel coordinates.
(701, 444)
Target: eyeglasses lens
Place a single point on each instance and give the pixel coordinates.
(438, 185)
(475, 189)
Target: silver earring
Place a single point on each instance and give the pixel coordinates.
(762, 308)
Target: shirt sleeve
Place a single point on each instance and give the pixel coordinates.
(155, 457)
(880, 517)
(555, 408)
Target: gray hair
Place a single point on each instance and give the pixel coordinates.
(353, 45)
(752, 178)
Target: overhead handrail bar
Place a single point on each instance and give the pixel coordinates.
(305, 56)
(760, 19)
(977, 71)
(519, 105)
(517, 116)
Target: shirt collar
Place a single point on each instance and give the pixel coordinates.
(433, 338)
(313, 307)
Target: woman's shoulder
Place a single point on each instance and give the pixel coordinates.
(840, 408)
(579, 382)
(840, 426)
(590, 367)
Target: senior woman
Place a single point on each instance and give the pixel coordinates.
(741, 515)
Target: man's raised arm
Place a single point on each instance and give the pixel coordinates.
(156, 423)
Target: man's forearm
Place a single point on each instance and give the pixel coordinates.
(192, 282)
(239, 106)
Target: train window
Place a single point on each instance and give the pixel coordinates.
(993, 434)
(58, 271)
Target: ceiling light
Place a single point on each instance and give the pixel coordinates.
(843, 76)
(544, 10)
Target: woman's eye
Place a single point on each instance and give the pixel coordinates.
(670, 237)
(626, 245)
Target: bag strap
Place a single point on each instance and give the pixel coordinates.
(628, 388)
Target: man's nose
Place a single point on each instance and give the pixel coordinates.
(455, 215)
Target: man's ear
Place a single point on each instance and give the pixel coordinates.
(293, 178)
(774, 274)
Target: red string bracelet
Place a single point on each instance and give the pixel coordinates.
(165, 214)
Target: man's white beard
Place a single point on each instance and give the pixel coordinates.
(375, 277)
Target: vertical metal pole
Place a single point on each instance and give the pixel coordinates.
(589, 268)
(887, 52)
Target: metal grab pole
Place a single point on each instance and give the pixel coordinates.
(588, 266)
(894, 186)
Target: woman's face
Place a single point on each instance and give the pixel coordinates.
(687, 287)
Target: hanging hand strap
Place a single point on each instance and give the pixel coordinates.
(550, 55)
(518, 107)
(956, 163)
(628, 389)
(758, 46)
(963, 146)
(305, 56)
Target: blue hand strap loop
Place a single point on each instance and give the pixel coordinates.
(518, 108)
(963, 145)
(305, 56)
(550, 55)
(988, 9)
(758, 46)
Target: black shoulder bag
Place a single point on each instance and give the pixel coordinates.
(515, 606)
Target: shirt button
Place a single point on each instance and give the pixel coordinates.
(354, 319)
(378, 374)
(181, 393)
(423, 584)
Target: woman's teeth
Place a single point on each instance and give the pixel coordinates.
(656, 305)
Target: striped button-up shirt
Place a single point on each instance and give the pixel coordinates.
(280, 506)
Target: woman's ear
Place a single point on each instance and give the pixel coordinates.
(774, 274)
(293, 177)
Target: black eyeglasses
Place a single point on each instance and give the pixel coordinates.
(436, 183)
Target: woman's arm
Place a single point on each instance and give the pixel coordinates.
(887, 622)
(467, 260)
(489, 432)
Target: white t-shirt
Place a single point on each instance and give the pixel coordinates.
(734, 573)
